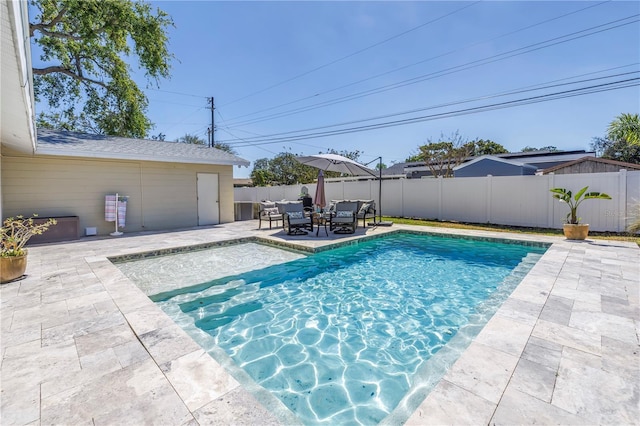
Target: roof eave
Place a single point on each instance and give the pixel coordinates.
(18, 113)
(120, 156)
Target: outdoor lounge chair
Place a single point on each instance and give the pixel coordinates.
(344, 220)
(269, 211)
(296, 221)
(366, 210)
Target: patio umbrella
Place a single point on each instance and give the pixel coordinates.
(319, 199)
(336, 163)
(341, 164)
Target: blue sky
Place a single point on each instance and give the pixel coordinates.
(258, 56)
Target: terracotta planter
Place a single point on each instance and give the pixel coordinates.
(575, 231)
(12, 267)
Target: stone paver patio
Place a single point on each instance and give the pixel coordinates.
(81, 344)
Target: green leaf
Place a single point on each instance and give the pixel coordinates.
(580, 193)
(597, 195)
(86, 46)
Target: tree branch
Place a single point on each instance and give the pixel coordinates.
(41, 26)
(59, 35)
(66, 71)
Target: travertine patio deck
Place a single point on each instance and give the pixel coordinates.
(81, 344)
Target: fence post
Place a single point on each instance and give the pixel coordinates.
(550, 185)
(402, 197)
(489, 186)
(622, 200)
(440, 179)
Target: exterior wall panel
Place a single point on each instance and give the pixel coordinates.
(464, 200)
(494, 168)
(421, 198)
(599, 214)
(168, 192)
(334, 191)
(225, 186)
(632, 206)
(161, 195)
(391, 197)
(508, 200)
(520, 201)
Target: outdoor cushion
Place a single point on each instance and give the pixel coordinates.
(364, 208)
(296, 215)
(289, 206)
(344, 220)
(268, 210)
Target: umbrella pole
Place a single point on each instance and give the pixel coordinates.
(379, 222)
(380, 191)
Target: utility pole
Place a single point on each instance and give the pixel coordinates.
(212, 140)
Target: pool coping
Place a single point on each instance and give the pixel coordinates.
(487, 376)
(441, 361)
(310, 250)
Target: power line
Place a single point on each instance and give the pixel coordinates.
(319, 128)
(173, 103)
(351, 54)
(616, 85)
(224, 129)
(463, 67)
(272, 152)
(352, 96)
(540, 86)
(185, 117)
(419, 62)
(177, 93)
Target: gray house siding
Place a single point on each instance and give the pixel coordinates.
(494, 168)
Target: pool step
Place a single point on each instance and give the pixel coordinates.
(214, 321)
(521, 269)
(201, 302)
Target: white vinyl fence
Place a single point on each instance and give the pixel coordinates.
(502, 200)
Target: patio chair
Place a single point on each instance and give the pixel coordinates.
(345, 219)
(296, 221)
(269, 211)
(307, 203)
(366, 209)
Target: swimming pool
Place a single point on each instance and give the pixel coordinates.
(343, 335)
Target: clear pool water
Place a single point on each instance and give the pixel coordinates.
(340, 336)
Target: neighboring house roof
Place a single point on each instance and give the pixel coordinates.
(539, 159)
(240, 182)
(396, 169)
(54, 142)
(618, 164)
(542, 154)
(18, 130)
(493, 158)
(545, 159)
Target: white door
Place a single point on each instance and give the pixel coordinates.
(208, 208)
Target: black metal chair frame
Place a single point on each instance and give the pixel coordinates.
(297, 228)
(272, 218)
(343, 227)
(371, 212)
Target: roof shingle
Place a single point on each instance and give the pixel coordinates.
(56, 142)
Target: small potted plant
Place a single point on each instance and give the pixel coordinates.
(573, 229)
(15, 233)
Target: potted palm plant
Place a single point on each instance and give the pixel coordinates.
(573, 229)
(15, 233)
